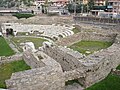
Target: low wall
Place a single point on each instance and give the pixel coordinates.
(4, 59)
(87, 36)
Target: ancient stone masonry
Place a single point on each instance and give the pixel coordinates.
(32, 60)
(92, 68)
(53, 65)
(16, 57)
(41, 30)
(86, 36)
(47, 77)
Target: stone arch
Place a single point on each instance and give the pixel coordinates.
(55, 38)
(61, 36)
(9, 31)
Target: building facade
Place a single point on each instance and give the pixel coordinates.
(114, 6)
(99, 2)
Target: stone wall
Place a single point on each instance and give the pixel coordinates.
(116, 72)
(105, 61)
(16, 57)
(87, 36)
(66, 60)
(32, 60)
(92, 68)
(47, 77)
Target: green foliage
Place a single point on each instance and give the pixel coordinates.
(18, 15)
(91, 4)
(72, 6)
(90, 46)
(5, 49)
(118, 67)
(7, 69)
(75, 30)
(111, 82)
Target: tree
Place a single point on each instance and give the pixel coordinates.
(91, 4)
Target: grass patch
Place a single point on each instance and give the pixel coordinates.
(19, 15)
(37, 41)
(7, 69)
(118, 67)
(5, 49)
(75, 30)
(111, 82)
(90, 46)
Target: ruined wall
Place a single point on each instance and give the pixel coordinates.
(108, 60)
(66, 60)
(92, 68)
(48, 77)
(32, 60)
(86, 36)
(16, 57)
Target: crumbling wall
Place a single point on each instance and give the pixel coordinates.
(87, 36)
(16, 57)
(48, 77)
(92, 68)
(67, 61)
(107, 60)
(32, 60)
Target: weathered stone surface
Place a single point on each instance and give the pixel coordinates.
(60, 64)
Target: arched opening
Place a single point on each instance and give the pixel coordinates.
(60, 36)
(9, 31)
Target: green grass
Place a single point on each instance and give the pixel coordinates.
(7, 69)
(37, 41)
(19, 15)
(90, 46)
(111, 82)
(118, 67)
(5, 49)
(75, 30)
